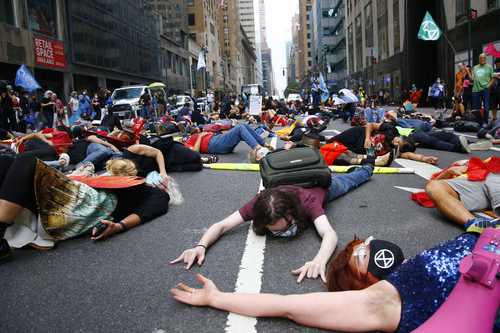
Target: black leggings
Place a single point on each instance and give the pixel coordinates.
(17, 177)
(178, 157)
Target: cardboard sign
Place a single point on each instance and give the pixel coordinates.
(49, 53)
(255, 105)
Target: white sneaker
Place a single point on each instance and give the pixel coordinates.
(481, 145)
(464, 143)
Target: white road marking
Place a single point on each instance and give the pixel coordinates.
(410, 189)
(424, 170)
(250, 276)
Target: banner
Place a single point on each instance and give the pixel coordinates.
(429, 31)
(49, 53)
(25, 79)
(255, 105)
(201, 61)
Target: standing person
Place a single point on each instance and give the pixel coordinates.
(495, 92)
(381, 97)
(35, 113)
(96, 107)
(8, 115)
(59, 110)
(145, 101)
(459, 79)
(210, 101)
(48, 108)
(467, 89)
(483, 79)
(436, 94)
(73, 103)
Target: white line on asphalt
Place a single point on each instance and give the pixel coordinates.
(424, 170)
(250, 276)
(409, 189)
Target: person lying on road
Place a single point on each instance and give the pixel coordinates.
(284, 212)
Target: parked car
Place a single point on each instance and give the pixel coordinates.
(126, 100)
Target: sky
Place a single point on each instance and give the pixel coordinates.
(279, 15)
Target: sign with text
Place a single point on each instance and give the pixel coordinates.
(49, 53)
(255, 105)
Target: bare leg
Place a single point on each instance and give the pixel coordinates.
(9, 211)
(448, 202)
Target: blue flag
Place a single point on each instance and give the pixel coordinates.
(25, 79)
(324, 89)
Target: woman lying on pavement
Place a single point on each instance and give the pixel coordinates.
(68, 208)
(383, 138)
(283, 212)
(364, 296)
(211, 143)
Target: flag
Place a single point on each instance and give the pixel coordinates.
(429, 29)
(201, 61)
(25, 79)
(324, 89)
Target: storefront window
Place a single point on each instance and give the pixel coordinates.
(6, 12)
(42, 17)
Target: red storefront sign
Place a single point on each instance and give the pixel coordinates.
(49, 53)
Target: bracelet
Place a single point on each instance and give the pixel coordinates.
(200, 245)
(124, 226)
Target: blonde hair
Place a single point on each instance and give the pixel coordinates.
(121, 167)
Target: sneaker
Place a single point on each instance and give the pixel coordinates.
(478, 224)
(481, 145)
(5, 251)
(464, 144)
(84, 170)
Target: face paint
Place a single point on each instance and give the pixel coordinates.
(291, 231)
(385, 257)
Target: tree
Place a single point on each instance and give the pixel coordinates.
(293, 88)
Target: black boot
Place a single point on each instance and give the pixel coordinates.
(5, 251)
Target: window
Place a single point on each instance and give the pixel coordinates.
(350, 41)
(190, 2)
(397, 33)
(461, 9)
(369, 25)
(492, 4)
(359, 43)
(383, 34)
(191, 19)
(42, 17)
(6, 12)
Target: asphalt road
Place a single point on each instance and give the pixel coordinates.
(121, 285)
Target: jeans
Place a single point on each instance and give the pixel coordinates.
(345, 183)
(438, 140)
(415, 123)
(225, 143)
(374, 115)
(477, 97)
(97, 154)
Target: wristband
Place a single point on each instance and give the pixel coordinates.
(203, 246)
(124, 226)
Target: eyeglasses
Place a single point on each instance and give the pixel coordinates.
(289, 231)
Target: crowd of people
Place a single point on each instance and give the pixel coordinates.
(107, 177)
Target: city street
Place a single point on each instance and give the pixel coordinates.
(122, 284)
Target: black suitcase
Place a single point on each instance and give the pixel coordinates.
(298, 166)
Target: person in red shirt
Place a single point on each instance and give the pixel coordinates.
(211, 143)
(283, 212)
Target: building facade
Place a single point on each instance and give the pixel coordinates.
(203, 28)
(332, 42)
(72, 45)
(174, 54)
(267, 71)
(252, 17)
(375, 44)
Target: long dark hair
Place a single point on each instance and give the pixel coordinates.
(274, 204)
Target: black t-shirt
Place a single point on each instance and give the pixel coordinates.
(6, 103)
(354, 137)
(144, 201)
(497, 83)
(144, 164)
(47, 108)
(110, 121)
(78, 151)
